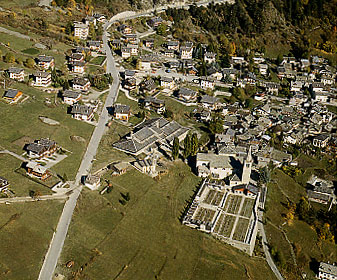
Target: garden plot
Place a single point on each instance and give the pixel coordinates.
(204, 214)
(247, 207)
(224, 225)
(214, 197)
(241, 229)
(233, 204)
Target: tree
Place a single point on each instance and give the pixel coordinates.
(30, 63)
(92, 31)
(65, 177)
(69, 27)
(9, 58)
(194, 144)
(216, 125)
(187, 146)
(161, 29)
(175, 148)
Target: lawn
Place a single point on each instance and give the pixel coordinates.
(21, 120)
(26, 230)
(98, 60)
(144, 239)
(303, 238)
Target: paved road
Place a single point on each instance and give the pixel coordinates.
(57, 242)
(14, 155)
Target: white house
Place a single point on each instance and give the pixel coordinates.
(16, 73)
(70, 97)
(209, 57)
(167, 82)
(81, 30)
(41, 79)
(186, 52)
(93, 182)
(82, 84)
(45, 62)
(216, 166)
(207, 83)
(82, 112)
(327, 271)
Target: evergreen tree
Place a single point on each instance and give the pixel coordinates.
(175, 148)
(194, 144)
(187, 146)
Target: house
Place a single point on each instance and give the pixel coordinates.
(71, 97)
(125, 29)
(16, 73)
(95, 45)
(121, 112)
(133, 49)
(187, 95)
(186, 52)
(81, 30)
(173, 45)
(209, 57)
(169, 53)
(149, 135)
(100, 17)
(45, 62)
(145, 63)
(327, 271)
(210, 102)
(319, 190)
(248, 190)
(147, 165)
(90, 20)
(167, 82)
(148, 86)
(12, 95)
(130, 84)
(238, 60)
(155, 104)
(41, 79)
(82, 112)
(149, 43)
(321, 140)
(155, 22)
(296, 86)
(79, 57)
(77, 67)
(131, 38)
(126, 52)
(263, 69)
(41, 148)
(4, 184)
(118, 168)
(93, 182)
(321, 96)
(207, 83)
(38, 171)
(82, 84)
(128, 74)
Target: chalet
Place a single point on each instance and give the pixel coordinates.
(38, 171)
(145, 63)
(79, 57)
(319, 190)
(122, 112)
(155, 22)
(77, 67)
(82, 50)
(327, 271)
(16, 73)
(125, 29)
(230, 73)
(131, 38)
(4, 184)
(173, 45)
(41, 79)
(209, 57)
(210, 102)
(258, 60)
(207, 83)
(148, 86)
(149, 43)
(82, 84)
(186, 52)
(41, 148)
(100, 17)
(263, 69)
(45, 62)
(238, 60)
(125, 52)
(130, 84)
(12, 95)
(152, 103)
(82, 112)
(81, 30)
(128, 74)
(169, 53)
(321, 140)
(71, 97)
(187, 95)
(90, 20)
(296, 86)
(167, 82)
(133, 49)
(95, 45)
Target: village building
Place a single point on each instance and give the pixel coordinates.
(207, 83)
(82, 84)
(71, 97)
(41, 79)
(81, 30)
(79, 57)
(153, 103)
(320, 190)
(93, 182)
(4, 184)
(187, 95)
(12, 95)
(37, 171)
(82, 112)
(125, 29)
(210, 102)
(167, 82)
(186, 52)
(155, 22)
(122, 112)
(173, 45)
(41, 148)
(118, 168)
(16, 73)
(151, 134)
(321, 141)
(327, 271)
(45, 62)
(95, 45)
(209, 57)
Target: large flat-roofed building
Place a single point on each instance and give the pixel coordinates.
(229, 214)
(149, 134)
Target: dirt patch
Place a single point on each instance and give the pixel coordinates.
(76, 138)
(48, 121)
(21, 142)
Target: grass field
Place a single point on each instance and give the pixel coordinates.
(144, 239)
(98, 60)
(299, 233)
(21, 120)
(25, 233)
